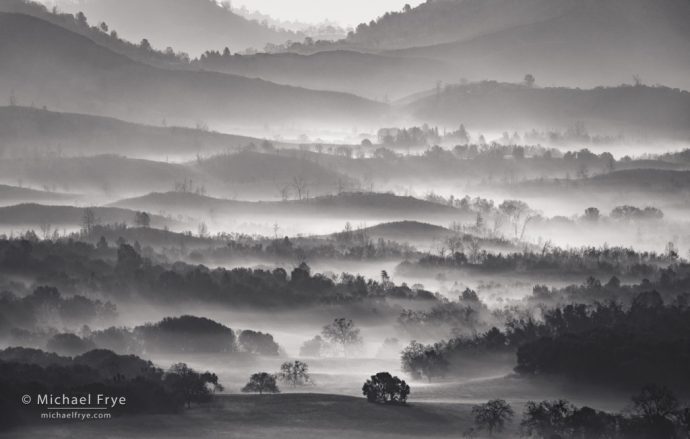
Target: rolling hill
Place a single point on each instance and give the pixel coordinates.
(192, 26)
(364, 74)
(575, 42)
(638, 110)
(30, 215)
(103, 174)
(244, 175)
(254, 175)
(357, 206)
(49, 66)
(14, 195)
(581, 43)
(24, 129)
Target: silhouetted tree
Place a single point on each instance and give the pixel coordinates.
(492, 416)
(189, 385)
(145, 45)
(383, 388)
(655, 409)
(294, 373)
(142, 219)
(261, 382)
(529, 80)
(546, 419)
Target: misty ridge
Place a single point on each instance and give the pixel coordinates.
(461, 218)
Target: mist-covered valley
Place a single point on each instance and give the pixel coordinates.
(461, 219)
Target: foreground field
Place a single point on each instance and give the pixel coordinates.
(273, 416)
(437, 410)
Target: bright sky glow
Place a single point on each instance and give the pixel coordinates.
(344, 12)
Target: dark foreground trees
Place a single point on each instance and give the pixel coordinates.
(492, 416)
(191, 386)
(147, 389)
(656, 414)
(422, 361)
(383, 388)
(262, 382)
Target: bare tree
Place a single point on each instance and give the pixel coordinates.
(45, 230)
(301, 186)
(294, 373)
(342, 331)
(88, 220)
(203, 230)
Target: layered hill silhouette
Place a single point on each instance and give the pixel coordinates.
(24, 129)
(353, 206)
(13, 195)
(243, 175)
(30, 215)
(493, 105)
(103, 174)
(574, 42)
(47, 65)
(365, 74)
(192, 26)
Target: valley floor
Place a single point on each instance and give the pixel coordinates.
(282, 416)
(438, 410)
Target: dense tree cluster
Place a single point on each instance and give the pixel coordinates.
(414, 136)
(655, 413)
(186, 334)
(75, 266)
(607, 344)
(258, 343)
(146, 388)
(466, 316)
(101, 34)
(47, 306)
(602, 342)
(587, 261)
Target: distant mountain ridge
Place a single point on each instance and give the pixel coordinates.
(48, 65)
(193, 26)
(561, 42)
(353, 206)
(639, 110)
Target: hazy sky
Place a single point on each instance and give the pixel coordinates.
(346, 12)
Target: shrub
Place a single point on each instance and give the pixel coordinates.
(383, 388)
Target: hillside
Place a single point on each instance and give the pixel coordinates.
(103, 174)
(346, 206)
(271, 175)
(644, 180)
(192, 26)
(29, 215)
(25, 129)
(244, 175)
(364, 74)
(574, 42)
(407, 230)
(13, 195)
(634, 110)
(452, 20)
(49, 66)
(581, 43)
